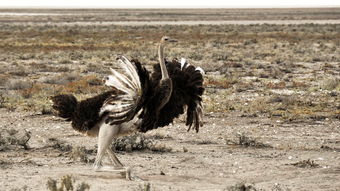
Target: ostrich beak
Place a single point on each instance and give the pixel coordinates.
(172, 40)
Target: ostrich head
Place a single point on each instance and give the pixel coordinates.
(164, 40)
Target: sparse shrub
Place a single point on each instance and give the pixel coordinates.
(205, 142)
(159, 136)
(29, 92)
(16, 84)
(316, 59)
(246, 141)
(67, 184)
(196, 56)
(76, 55)
(256, 106)
(52, 185)
(137, 142)
(58, 144)
(249, 42)
(79, 86)
(3, 79)
(20, 71)
(278, 85)
(61, 79)
(11, 138)
(69, 77)
(234, 65)
(306, 164)
(331, 84)
(219, 82)
(46, 110)
(81, 154)
(280, 187)
(296, 84)
(65, 61)
(328, 66)
(93, 80)
(83, 186)
(61, 69)
(27, 56)
(145, 187)
(2, 101)
(96, 68)
(242, 187)
(220, 56)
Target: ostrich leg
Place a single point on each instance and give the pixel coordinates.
(106, 134)
(113, 158)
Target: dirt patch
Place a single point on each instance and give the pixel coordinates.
(207, 165)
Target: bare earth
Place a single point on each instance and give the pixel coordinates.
(209, 163)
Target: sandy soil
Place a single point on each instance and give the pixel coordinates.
(208, 160)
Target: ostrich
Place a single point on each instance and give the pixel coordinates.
(137, 102)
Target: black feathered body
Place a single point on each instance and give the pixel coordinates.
(84, 114)
(186, 90)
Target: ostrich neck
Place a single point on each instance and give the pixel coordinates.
(165, 74)
(165, 82)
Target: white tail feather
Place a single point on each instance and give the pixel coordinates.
(183, 61)
(128, 82)
(201, 70)
(130, 70)
(122, 78)
(114, 81)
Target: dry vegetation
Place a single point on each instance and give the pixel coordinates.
(287, 71)
(272, 92)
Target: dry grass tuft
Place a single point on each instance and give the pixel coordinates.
(2, 101)
(242, 187)
(67, 184)
(331, 84)
(14, 139)
(29, 92)
(219, 82)
(61, 79)
(17, 84)
(59, 145)
(145, 187)
(246, 141)
(306, 164)
(138, 142)
(81, 154)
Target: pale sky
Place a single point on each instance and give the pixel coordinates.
(168, 3)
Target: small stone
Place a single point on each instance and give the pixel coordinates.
(185, 149)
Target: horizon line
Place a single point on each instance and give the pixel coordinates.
(164, 7)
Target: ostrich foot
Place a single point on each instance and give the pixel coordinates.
(124, 171)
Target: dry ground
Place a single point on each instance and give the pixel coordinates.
(214, 159)
(272, 104)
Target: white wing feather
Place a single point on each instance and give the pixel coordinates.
(119, 106)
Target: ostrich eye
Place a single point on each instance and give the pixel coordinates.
(107, 78)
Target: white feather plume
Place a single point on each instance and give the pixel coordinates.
(127, 82)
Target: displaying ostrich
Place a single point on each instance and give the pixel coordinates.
(138, 102)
